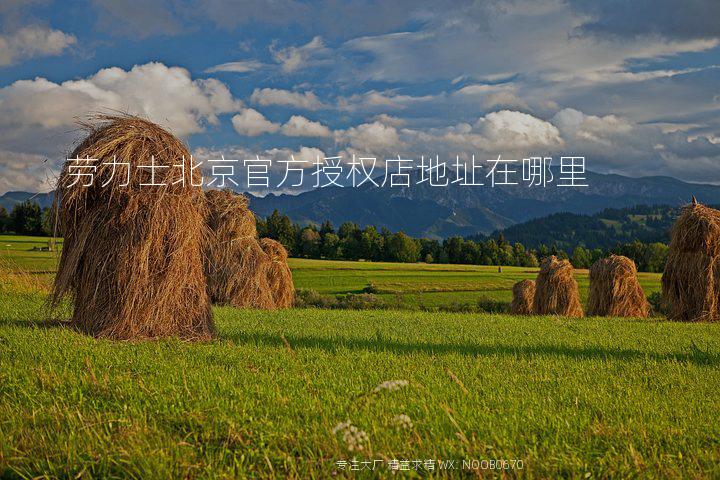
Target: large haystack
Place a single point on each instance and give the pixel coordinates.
(615, 290)
(691, 280)
(556, 291)
(132, 255)
(279, 274)
(523, 298)
(236, 265)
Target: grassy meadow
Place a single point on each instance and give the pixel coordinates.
(407, 285)
(572, 398)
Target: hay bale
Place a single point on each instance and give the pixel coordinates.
(236, 265)
(279, 275)
(691, 279)
(556, 290)
(132, 255)
(615, 290)
(523, 298)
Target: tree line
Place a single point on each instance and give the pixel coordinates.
(351, 242)
(26, 218)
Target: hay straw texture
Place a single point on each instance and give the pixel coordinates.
(236, 265)
(615, 290)
(556, 290)
(132, 255)
(691, 279)
(279, 275)
(523, 298)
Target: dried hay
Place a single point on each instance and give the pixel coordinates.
(523, 298)
(132, 255)
(556, 290)
(615, 290)
(691, 279)
(236, 265)
(279, 275)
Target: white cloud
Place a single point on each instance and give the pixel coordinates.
(299, 126)
(38, 113)
(252, 123)
(273, 96)
(243, 66)
(498, 95)
(165, 94)
(511, 129)
(375, 137)
(386, 119)
(374, 100)
(33, 41)
(590, 128)
(26, 172)
(294, 58)
(537, 42)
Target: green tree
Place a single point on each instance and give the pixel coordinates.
(402, 248)
(310, 242)
(326, 227)
(581, 257)
(26, 219)
(371, 244)
(453, 249)
(330, 245)
(280, 228)
(48, 222)
(4, 220)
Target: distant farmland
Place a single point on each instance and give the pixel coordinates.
(411, 285)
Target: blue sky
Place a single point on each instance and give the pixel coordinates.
(633, 86)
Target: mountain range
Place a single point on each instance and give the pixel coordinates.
(439, 212)
(421, 210)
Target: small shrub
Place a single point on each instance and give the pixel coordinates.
(371, 288)
(352, 301)
(361, 301)
(311, 298)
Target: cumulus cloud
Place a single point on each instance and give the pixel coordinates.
(590, 128)
(243, 66)
(375, 137)
(252, 123)
(519, 130)
(39, 113)
(33, 41)
(274, 96)
(494, 95)
(299, 126)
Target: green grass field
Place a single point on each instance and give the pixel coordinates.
(409, 285)
(579, 398)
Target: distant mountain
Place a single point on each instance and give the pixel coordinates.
(604, 229)
(440, 212)
(10, 199)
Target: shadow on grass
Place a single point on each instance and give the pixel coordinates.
(694, 355)
(36, 324)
